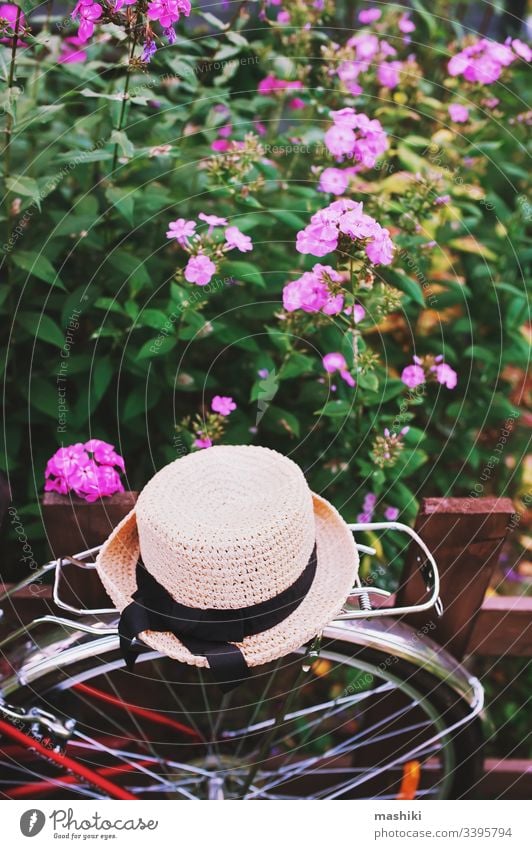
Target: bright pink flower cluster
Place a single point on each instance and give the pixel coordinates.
(311, 292)
(89, 470)
(484, 60)
(223, 405)
(416, 374)
(200, 267)
(355, 136)
(345, 217)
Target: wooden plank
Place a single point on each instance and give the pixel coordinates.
(505, 779)
(465, 536)
(503, 627)
(73, 524)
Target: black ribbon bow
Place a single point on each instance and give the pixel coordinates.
(210, 633)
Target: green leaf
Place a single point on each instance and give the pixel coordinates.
(336, 408)
(243, 271)
(407, 285)
(156, 347)
(41, 326)
(368, 381)
(26, 186)
(152, 318)
(38, 266)
(120, 138)
(123, 201)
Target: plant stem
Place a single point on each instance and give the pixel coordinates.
(125, 95)
(9, 131)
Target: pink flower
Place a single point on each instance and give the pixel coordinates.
(236, 239)
(66, 460)
(88, 12)
(458, 113)
(213, 220)
(380, 249)
(9, 12)
(56, 485)
(446, 375)
(389, 74)
(334, 181)
(70, 55)
(202, 442)
(391, 514)
(359, 313)
(223, 404)
(271, 84)
(484, 60)
(413, 376)
(108, 480)
(104, 453)
(283, 17)
(182, 230)
(220, 145)
(296, 103)
(405, 24)
(522, 49)
(317, 239)
(336, 362)
(368, 16)
(311, 292)
(355, 135)
(168, 12)
(199, 270)
(340, 141)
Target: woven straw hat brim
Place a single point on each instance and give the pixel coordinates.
(337, 569)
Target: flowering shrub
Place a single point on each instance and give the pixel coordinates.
(89, 470)
(292, 223)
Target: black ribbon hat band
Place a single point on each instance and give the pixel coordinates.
(209, 633)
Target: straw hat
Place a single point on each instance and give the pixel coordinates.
(231, 528)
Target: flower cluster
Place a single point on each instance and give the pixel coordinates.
(387, 448)
(206, 250)
(166, 12)
(89, 470)
(423, 370)
(484, 60)
(314, 291)
(205, 431)
(365, 51)
(355, 136)
(345, 218)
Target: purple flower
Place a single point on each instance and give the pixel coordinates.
(413, 376)
(223, 404)
(182, 230)
(391, 514)
(441, 200)
(236, 239)
(317, 239)
(104, 453)
(340, 141)
(334, 181)
(149, 50)
(170, 35)
(458, 113)
(370, 501)
(199, 270)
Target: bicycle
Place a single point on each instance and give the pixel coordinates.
(372, 709)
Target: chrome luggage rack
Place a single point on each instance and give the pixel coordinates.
(360, 593)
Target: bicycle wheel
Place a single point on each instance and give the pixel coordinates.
(379, 715)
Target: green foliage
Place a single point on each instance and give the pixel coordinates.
(90, 192)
